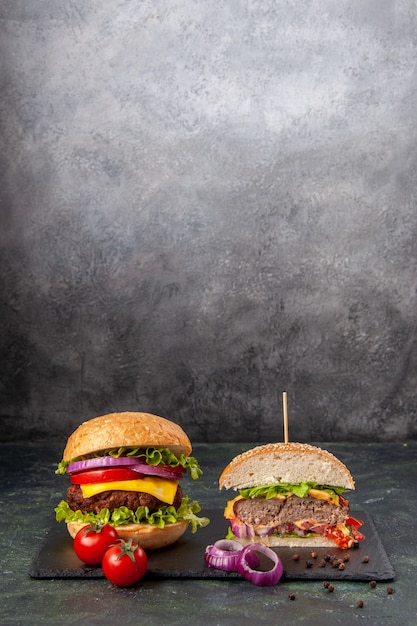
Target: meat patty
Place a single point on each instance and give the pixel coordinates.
(276, 512)
(114, 499)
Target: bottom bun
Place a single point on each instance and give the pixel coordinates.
(290, 542)
(147, 536)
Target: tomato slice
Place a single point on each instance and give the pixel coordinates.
(342, 540)
(104, 475)
(355, 524)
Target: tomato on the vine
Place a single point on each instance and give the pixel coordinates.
(92, 541)
(124, 564)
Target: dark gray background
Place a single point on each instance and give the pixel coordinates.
(203, 204)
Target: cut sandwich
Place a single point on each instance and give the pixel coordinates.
(124, 470)
(290, 494)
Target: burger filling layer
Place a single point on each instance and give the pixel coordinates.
(301, 510)
(112, 500)
(129, 486)
(276, 512)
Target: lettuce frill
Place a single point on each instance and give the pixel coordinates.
(284, 489)
(152, 456)
(187, 511)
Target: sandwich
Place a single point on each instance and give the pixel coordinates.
(125, 470)
(290, 494)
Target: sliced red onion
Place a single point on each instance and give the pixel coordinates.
(225, 553)
(154, 470)
(242, 530)
(225, 562)
(125, 461)
(227, 545)
(257, 577)
(141, 463)
(100, 461)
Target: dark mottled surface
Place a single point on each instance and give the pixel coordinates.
(203, 204)
(385, 475)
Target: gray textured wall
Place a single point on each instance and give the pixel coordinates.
(204, 203)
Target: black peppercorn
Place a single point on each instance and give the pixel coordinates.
(359, 604)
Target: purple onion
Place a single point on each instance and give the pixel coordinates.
(124, 461)
(225, 554)
(256, 577)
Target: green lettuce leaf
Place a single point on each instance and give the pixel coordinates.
(187, 511)
(153, 456)
(284, 489)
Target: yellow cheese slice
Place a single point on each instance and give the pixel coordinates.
(160, 488)
(301, 524)
(323, 495)
(228, 511)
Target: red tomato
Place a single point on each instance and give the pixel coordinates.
(355, 524)
(342, 540)
(92, 541)
(125, 563)
(104, 476)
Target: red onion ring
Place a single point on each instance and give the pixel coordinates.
(154, 470)
(227, 545)
(131, 462)
(100, 461)
(257, 577)
(225, 554)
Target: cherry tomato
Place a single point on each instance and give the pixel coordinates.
(104, 476)
(124, 564)
(92, 541)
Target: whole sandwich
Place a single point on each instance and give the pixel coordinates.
(125, 470)
(290, 494)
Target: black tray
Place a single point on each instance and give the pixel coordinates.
(185, 559)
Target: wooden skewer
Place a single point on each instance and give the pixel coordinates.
(284, 404)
